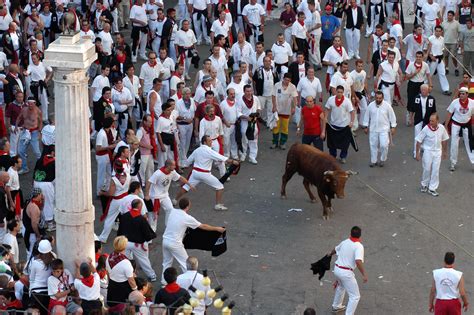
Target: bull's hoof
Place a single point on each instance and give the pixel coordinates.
(325, 217)
(313, 200)
(283, 197)
(331, 209)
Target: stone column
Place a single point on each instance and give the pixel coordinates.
(70, 57)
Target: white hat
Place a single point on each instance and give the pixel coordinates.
(48, 135)
(464, 89)
(44, 247)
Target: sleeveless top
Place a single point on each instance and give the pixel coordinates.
(447, 281)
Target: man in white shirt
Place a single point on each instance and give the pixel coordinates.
(211, 125)
(202, 159)
(107, 41)
(460, 111)
(186, 108)
(139, 20)
(396, 30)
(433, 138)
(350, 254)
(193, 278)
(315, 31)
(381, 121)
(299, 34)
(248, 109)
(179, 221)
(10, 239)
(201, 12)
(386, 77)
(241, 50)
(282, 53)
(333, 57)
(122, 100)
(343, 77)
(436, 57)
(149, 71)
(220, 64)
(40, 75)
(254, 18)
(99, 83)
(451, 35)
(447, 288)
(220, 27)
(431, 11)
(184, 43)
(309, 86)
(229, 114)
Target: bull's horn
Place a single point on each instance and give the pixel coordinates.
(329, 173)
(351, 173)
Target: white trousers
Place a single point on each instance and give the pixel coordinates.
(378, 142)
(155, 45)
(114, 25)
(200, 28)
(104, 173)
(391, 9)
(140, 253)
(418, 128)
(163, 156)
(146, 168)
(167, 206)
(47, 188)
(171, 251)
(431, 162)
(122, 127)
(141, 45)
(185, 136)
(14, 136)
(374, 18)
(388, 93)
(455, 144)
(216, 146)
(346, 283)
(266, 106)
(112, 214)
(230, 145)
(363, 108)
(183, 12)
(429, 28)
(314, 53)
(207, 178)
(443, 81)
(165, 90)
(287, 34)
(352, 41)
(248, 145)
(43, 98)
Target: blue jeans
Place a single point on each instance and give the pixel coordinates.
(342, 155)
(316, 141)
(23, 147)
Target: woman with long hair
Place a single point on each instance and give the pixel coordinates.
(40, 271)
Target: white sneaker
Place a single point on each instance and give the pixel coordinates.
(174, 202)
(116, 226)
(453, 167)
(134, 58)
(187, 77)
(338, 309)
(242, 158)
(143, 57)
(433, 193)
(220, 207)
(253, 161)
(424, 189)
(198, 43)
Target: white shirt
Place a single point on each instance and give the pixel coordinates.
(121, 271)
(164, 125)
(430, 11)
(138, 13)
(284, 97)
(315, 19)
(86, 293)
(148, 73)
(380, 118)
(333, 56)
(340, 116)
(156, 108)
(178, 222)
(345, 80)
(242, 53)
(358, 79)
(14, 182)
(268, 83)
(185, 39)
(229, 111)
(420, 76)
(220, 64)
(160, 183)
(133, 87)
(174, 82)
(126, 204)
(243, 110)
(107, 42)
(412, 46)
(298, 30)
(3, 62)
(446, 282)
(396, 31)
(38, 72)
(98, 84)
(168, 67)
(5, 21)
(212, 128)
(101, 139)
(219, 28)
(281, 53)
(118, 96)
(203, 158)
(253, 13)
(432, 140)
(461, 115)
(199, 4)
(309, 88)
(38, 276)
(437, 45)
(183, 111)
(61, 284)
(89, 34)
(348, 252)
(11, 240)
(389, 71)
(194, 278)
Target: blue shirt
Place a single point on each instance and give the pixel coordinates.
(328, 25)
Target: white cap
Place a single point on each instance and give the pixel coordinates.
(44, 247)
(48, 135)
(464, 89)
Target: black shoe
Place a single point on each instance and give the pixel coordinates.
(448, 93)
(456, 72)
(447, 71)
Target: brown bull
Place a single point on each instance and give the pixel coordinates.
(319, 169)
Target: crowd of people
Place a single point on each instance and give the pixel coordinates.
(151, 123)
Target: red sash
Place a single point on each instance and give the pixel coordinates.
(104, 215)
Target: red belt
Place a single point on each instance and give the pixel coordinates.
(345, 268)
(101, 153)
(33, 129)
(120, 196)
(104, 215)
(200, 170)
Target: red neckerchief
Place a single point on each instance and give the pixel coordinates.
(88, 281)
(464, 103)
(150, 131)
(208, 118)
(110, 136)
(165, 171)
(152, 63)
(433, 129)
(396, 22)
(48, 159)
(135, 212)
(339, 101)
(38, 203)
(383, 55)
(102, 273)
(172, 287)
(115, 258)
(248, 103)
(121, 58)
(338, 49)
(109, 100)
(301, 23)
(3, 14)
(222, 22)
(163, 115)
(13, 75)
(3, 152)
(355, 239)
(230, 103)
(418, 38)
(418, 66)
(179, 94)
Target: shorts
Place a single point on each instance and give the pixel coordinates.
(203, 177)
(72, 307)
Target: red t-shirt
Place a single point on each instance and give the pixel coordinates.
(311, 120)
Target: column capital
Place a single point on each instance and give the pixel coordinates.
(70, 52)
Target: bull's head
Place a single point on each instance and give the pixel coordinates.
(337, 180)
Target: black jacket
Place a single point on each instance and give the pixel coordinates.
(258, 79)
(349, 20)
(3, 204)
(166, 33)
(137, 229)
(430, 109)
(105, 13)
(293, 71)
(11, 88)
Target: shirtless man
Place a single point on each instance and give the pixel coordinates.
(31, 224)
(29, 123)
